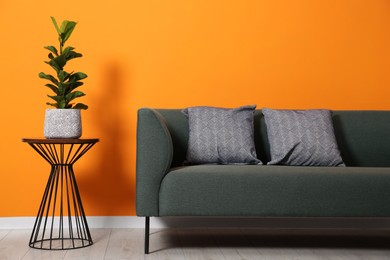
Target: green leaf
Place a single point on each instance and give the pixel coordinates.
(77, 76)
(56, 98)
(69, 97)
(72, 55)
(48, 77)
(64, 88)
(52, 87)
(42, 75)
(80, 106)
(53, 64)
(52, 49)
(63, 75)
(58, 63)
(74, 85)
(69, 54)
(63, 25)
(66, 29)
(52, 104)
(55, 24)
(67, 50)
(69, 29)
(62, 104)
(50, 63)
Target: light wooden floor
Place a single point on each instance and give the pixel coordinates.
(211, 244)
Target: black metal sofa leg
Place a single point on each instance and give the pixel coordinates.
(147, 227)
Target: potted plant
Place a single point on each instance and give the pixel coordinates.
(64, 121)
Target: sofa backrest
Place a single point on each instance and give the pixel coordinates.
(363, 137)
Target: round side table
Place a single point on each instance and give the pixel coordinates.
(61, 223)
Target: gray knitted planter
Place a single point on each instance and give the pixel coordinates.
(62, 123)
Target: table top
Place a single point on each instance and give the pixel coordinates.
(60, 141)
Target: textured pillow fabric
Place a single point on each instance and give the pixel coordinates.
(302, 137)
(221, 135)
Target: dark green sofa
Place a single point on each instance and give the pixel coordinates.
(167, 188)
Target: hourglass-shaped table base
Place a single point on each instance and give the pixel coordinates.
(61, 223)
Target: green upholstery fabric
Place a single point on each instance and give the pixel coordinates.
(154, 157)
(363, 139)
(247, 190)
(177, 124)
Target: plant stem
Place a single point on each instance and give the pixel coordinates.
(61, 45)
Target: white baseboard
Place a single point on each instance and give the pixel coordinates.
(217, 222)
(93, 222)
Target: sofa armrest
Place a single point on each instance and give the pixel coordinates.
(154, 158)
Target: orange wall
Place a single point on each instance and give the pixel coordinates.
(281, 54)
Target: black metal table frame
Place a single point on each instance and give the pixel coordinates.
(61, 204)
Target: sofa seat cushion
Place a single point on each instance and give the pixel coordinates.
(290, 191)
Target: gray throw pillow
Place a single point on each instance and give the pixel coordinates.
(221, 135)
(302, 137)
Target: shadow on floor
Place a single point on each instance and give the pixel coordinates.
(271, 238)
